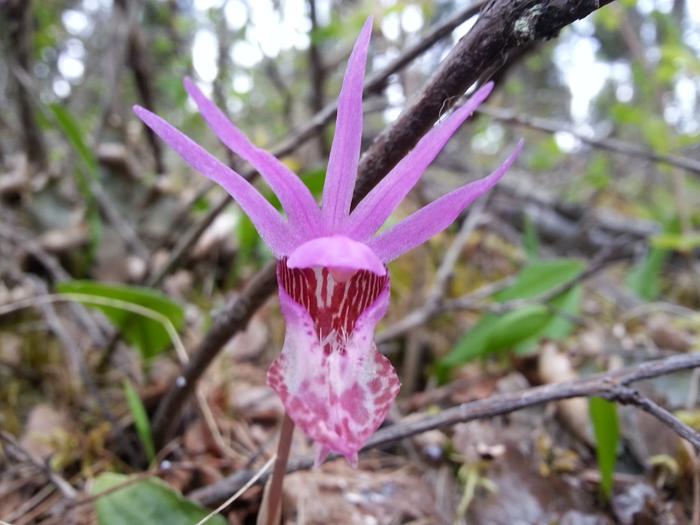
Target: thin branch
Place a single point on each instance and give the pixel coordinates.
(23, 454)
(95, 327)
(608, 384)
(19, 30)
(630, 396)
(622, 147)
(230, 321)
(436, 305)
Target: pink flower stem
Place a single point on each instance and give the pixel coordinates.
(283, 446)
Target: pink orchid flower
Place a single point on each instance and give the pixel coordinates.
(332, 264)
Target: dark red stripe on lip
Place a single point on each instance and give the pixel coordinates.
(334, 307)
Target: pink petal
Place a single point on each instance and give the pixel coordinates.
(345, 152)
(338, 253)
(271, 226)
(436, 216)
(376, 207)
(333, 382)
(296, 199)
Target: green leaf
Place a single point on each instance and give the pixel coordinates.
(598, 171)
(644, 279)
(148, 335)
(147, 502)
(85, 174)
(141, 422)
(545, 155)
(531, 241)
(676, 241)
(560, 326)
(539, 277)
(522, 328)
(74, 134)
(314, 180)
(518, 326)
(606, 429)
(248, 236)
(471, 345)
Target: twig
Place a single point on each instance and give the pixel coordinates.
(139, 62)
(414, 351)
(475, 300)
(317, 73)
(232, 319)
(509, 116)
(630, 396)
(605, 384)
(61, 484)
(93, 326)
(240, 492)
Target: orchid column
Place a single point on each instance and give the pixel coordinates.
(332, 264)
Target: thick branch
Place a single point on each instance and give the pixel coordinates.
(503, 27)
(18, 16)
(613, 385)
(234, 318)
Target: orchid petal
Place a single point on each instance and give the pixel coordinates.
(295, 197)
(375, 208)
(345, 152)
(338, 253)
(436, 216)
(269, 223)
(333, 382)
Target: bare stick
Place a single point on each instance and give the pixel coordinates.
(239, 493)
(630, 396)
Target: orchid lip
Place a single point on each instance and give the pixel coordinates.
(332, 380)
(342, 255)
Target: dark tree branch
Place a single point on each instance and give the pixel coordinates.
(233, 319)
(138, 59)
(512, 23)
(612, 385)
(503, 27)
(316, 96)
(18, 17)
